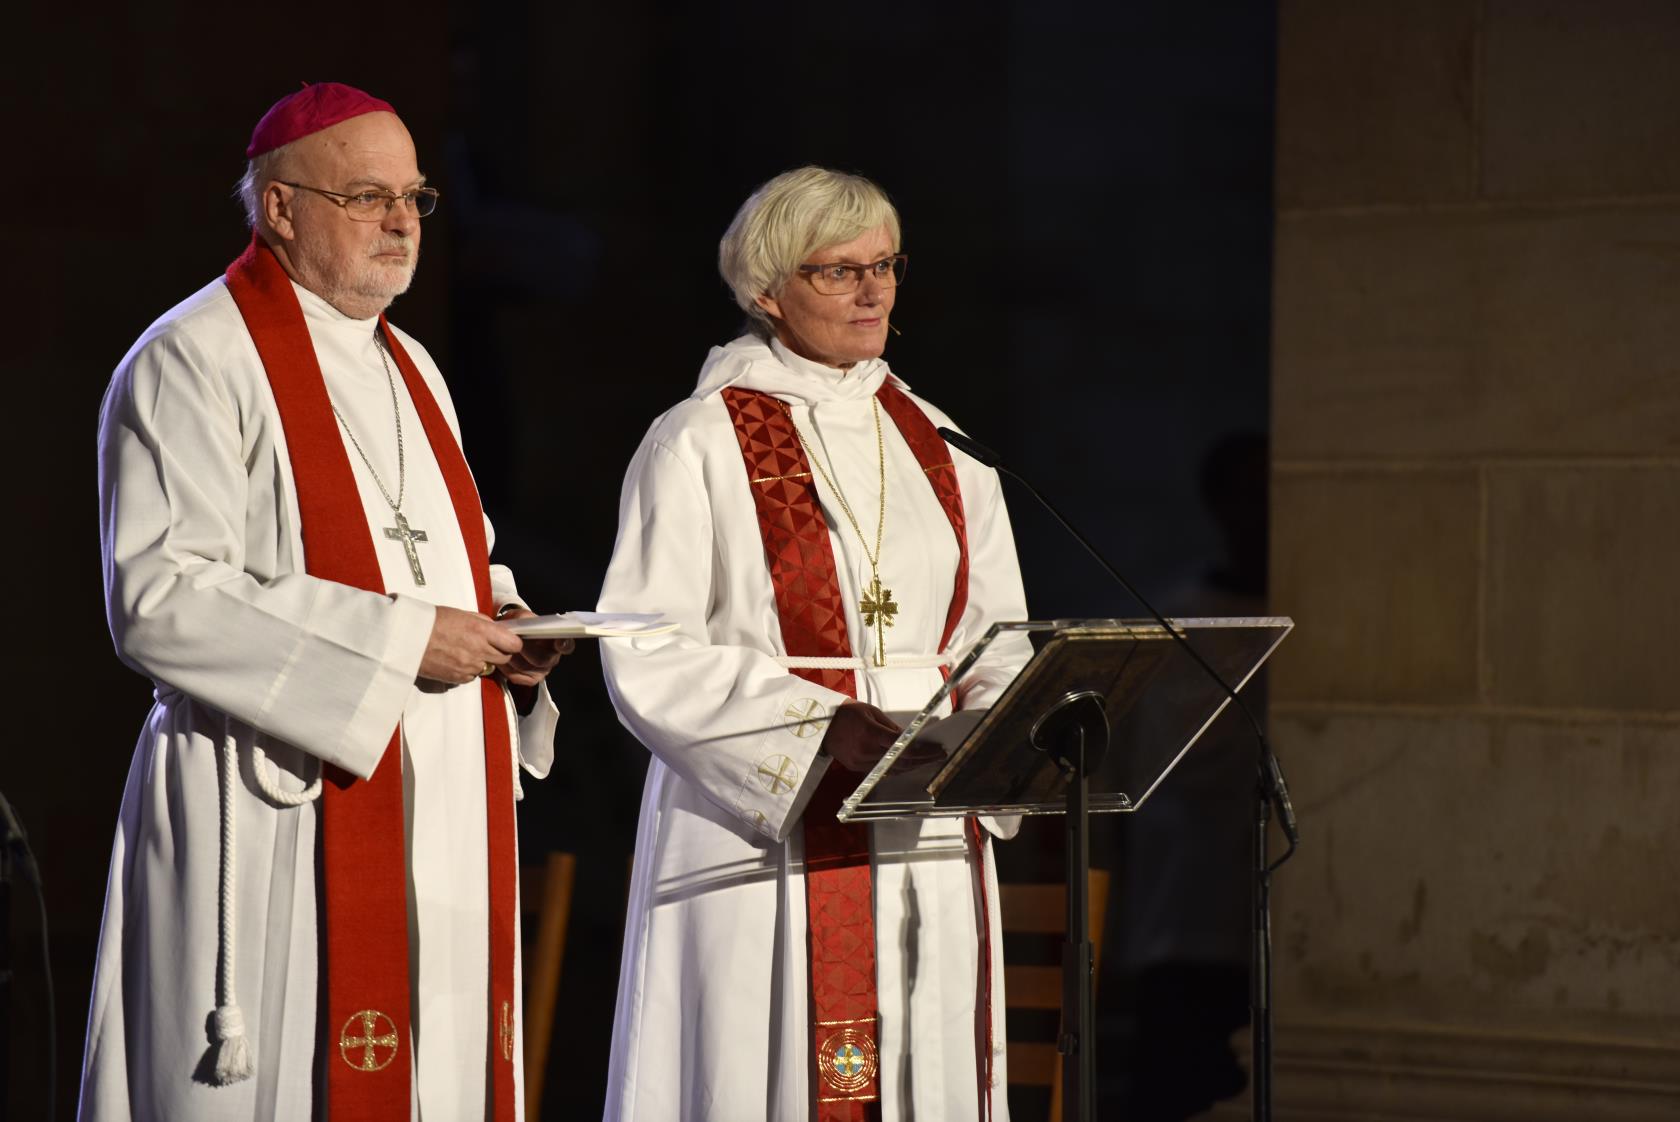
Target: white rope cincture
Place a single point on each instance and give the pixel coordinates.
(234, 1058)
(264, 771)
(227, 1025)
(894, 662)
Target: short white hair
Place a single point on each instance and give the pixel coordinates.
(787, 218)
(249, 189)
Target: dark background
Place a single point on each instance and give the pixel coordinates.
(1086, 196)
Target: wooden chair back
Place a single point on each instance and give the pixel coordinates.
(1041, 909)
(545, 906)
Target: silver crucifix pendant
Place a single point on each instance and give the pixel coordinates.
(401, 533)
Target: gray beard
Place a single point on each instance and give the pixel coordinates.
(364, 289)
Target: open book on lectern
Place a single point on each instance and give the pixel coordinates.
(1157, 701)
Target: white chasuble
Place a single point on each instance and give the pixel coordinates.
(711, 1021)
(207, 596)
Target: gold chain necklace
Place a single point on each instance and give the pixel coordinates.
(877, 605)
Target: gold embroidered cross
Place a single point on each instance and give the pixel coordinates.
(878, 610)
(504, 1030)
(778, 774)
(848, 1060)
(807, 713)
(378, 1033)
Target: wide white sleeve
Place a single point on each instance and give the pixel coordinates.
(534, 739)
(323, 666)
(727, 718)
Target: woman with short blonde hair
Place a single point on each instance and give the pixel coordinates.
(783, 221)
(802, 521)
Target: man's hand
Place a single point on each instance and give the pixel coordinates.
(463, 644)
(532, 662)
(859, 735)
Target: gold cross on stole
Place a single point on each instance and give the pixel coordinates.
(878, 610)
(378, 1032)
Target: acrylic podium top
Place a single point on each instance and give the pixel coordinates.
(1156, 699)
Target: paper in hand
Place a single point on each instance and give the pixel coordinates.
(589, 625)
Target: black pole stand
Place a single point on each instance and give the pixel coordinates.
(1270, 792)
(1078, 1037)
(5, 972)
(16, 857)
(1260, 1002)
(1062, 732)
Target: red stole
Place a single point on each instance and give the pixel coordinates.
(364, 867)
(839, 902)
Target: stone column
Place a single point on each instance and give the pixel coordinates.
(1476, 526)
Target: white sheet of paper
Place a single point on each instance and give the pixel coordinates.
(589, 625)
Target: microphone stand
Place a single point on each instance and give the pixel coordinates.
(15, 854)
(1260, 964)
(1270, 791)
(1074, 732)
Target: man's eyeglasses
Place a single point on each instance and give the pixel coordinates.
(840, 277)
(373, 206)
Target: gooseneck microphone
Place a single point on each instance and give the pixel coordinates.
(1272, 774)
(977, 451)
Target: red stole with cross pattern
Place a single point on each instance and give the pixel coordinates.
(364, 868)
(839, 901)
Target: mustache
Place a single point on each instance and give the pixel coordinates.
(392, 244)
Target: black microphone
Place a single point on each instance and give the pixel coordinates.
(1272, 773)
(977, 451)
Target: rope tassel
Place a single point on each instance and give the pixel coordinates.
(235, 1058)
(234, 1061)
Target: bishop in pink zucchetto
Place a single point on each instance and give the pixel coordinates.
(294, 543)
(319, 105)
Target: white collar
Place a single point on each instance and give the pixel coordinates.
(319, 312)
(753, 364)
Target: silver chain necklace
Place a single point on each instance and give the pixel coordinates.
(401, 531)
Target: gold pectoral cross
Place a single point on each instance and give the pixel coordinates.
(401, 533)
(878, 611)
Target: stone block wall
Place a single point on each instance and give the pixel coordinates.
(1476, 526)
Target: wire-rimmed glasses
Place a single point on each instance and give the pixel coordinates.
(373, 206)
(837, 278)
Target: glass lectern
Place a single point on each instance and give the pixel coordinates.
(1156, 701)
(1095, 721)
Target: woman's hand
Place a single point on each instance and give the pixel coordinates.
(859, 735)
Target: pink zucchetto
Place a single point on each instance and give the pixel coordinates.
(317, 106)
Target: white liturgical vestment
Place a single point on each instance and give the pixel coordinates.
(712, 1020)
(207, 595)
